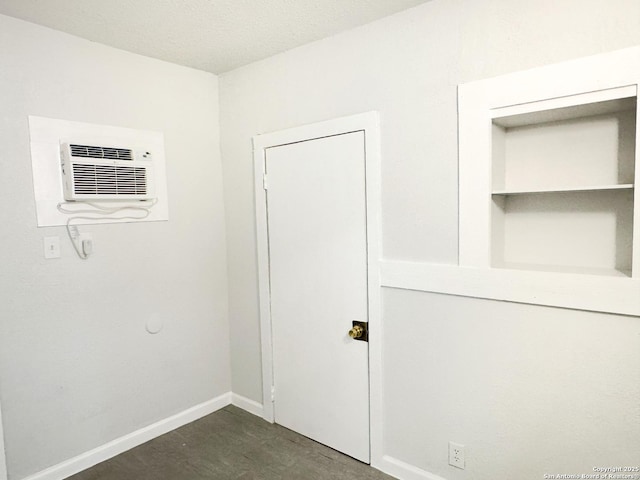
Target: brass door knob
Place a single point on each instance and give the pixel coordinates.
(356, 332)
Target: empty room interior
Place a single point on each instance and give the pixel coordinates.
(403, 229)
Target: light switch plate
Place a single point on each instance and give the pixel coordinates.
(51, 247)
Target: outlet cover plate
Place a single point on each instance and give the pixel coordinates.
(456, 455)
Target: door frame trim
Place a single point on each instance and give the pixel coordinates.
(3, 458)
(369, 124)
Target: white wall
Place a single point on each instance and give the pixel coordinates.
(407, 67)
(528, 390)
(77, 368)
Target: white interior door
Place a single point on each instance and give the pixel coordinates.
(316, 216)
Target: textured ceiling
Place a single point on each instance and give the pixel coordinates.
(212, 35)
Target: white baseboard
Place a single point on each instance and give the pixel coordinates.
(404, 471)
(387, 464)
(247, 404)
(127, 442)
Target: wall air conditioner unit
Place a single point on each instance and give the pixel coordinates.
(99, 172)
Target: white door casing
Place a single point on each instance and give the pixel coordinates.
(3, 461)
(367, 126)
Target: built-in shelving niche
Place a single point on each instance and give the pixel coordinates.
(548, 163)
(562, 185)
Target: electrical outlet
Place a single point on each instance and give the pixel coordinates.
(456, 455)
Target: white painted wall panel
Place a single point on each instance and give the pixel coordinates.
(77, 367)
(408, 67)
(528, 390)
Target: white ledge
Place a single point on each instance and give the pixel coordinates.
(592, 188)
(596, 293)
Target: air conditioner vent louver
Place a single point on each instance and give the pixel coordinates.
(91, 179)
(89, 151)
(106, 172)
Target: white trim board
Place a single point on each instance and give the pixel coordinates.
(3, 461)
(385, 463)
(367, 122)
(127, 442)
(247, 405)
(579, 292)
(405, 471)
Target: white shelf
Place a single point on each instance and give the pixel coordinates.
(608, 272)
(591, 188)
(574, 106)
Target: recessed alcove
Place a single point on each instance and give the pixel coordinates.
(548, 170)
(578, 232)
(562, 186)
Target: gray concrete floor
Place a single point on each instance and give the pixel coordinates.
(235, 445)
